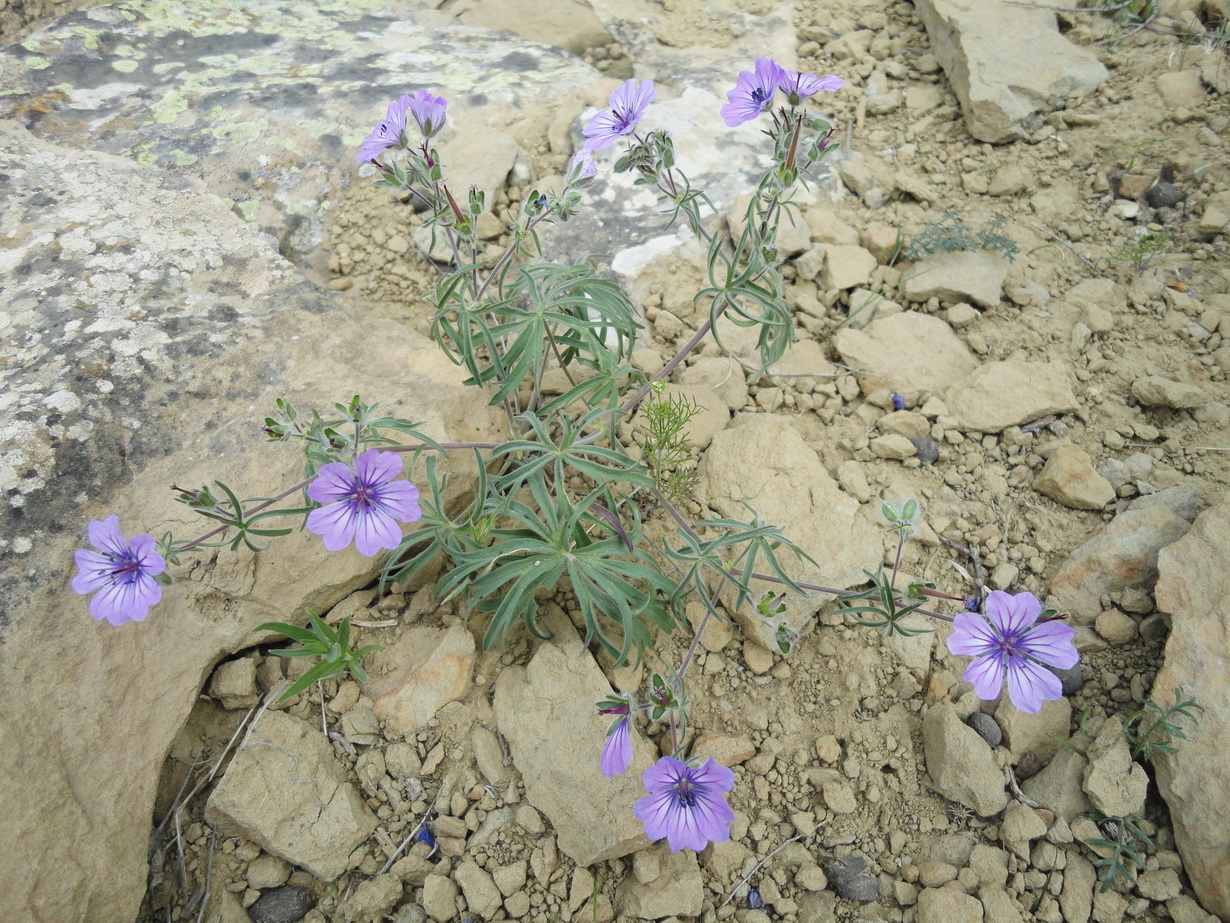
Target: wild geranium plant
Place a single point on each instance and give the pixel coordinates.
(558, 502)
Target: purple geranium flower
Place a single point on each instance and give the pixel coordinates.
(363, 504)
(617, 752)
(628, 104)
(428, 111)
(798, 87)
(685, 804)
(753, 92)
(389, 133)
(1012, 639)
(122, 572)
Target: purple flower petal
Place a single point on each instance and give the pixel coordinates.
(971, 636)
(1013, 614)
(628, 104)
(686, 805)
(120, 573)
(335, 522)
(388, 133)
(1051, 642)
(987, 675)
(366, 503)
(617, 752)
(375, 467)
(1029, 684)
(105, 535)
(334, 481)
(753, 92)
(798, 86)
(375, 530)
(428, 112)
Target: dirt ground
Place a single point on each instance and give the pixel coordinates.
(843, 701)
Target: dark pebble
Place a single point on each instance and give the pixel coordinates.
(1072, 678)
(987, 729)
(926, 449)
(852, 879)
(1163, 195)
(287, 904)
(1028, 766)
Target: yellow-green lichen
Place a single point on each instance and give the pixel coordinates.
(125, 65)
(169, 107)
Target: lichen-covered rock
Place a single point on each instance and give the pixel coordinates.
(149, 331)
(267, 102)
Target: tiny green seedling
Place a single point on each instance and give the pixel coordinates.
(322, 641)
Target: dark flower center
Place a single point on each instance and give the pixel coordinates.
(760, 96)
(127, 567)
(363, 495)
(684, 794)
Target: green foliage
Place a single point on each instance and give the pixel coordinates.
(1145, 247)
(950, 233)
(233, 513)
(549, 539)
(324, 642)
(665, 443)
(1151, 730)
(341, 438)
(1124, 840)
(730, 558)
(882, 606)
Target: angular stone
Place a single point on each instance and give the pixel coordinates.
(1058, 786)
(675, 891)
(428, 668)
(566, 23)
(1155, 391)
(481, 894)
(1069, 478)
(285, 791)
(905, 352)
(846, 267)
(1193, 587)
(547, 708)
(1123, 553)
(1037, 732)
(947, 905)
(959, 276)
(960, 762)
(1007, 64)
(761, 460)
(1009, 393)
(1115, 783)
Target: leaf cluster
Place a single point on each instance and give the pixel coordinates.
(1152, 729)
(664, 440)
(1124, 840)
(324, 642)
(881, 606)
(950, 233)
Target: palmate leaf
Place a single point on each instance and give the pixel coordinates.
(616, 590)
(723, 558)
(567, 453)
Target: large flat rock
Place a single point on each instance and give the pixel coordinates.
(1192, 587)
(1007, 63)
(267, 101)
(148, 332)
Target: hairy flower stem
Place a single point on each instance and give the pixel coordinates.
(265, 504)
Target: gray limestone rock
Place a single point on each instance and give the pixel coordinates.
(1115, 784)
(267, 105)
(148, 342)
(1058, 786)
(285, 791)
(1123, 553)
(1155, 391)
(1008, 64)
(905, 352)
(1069, 478)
